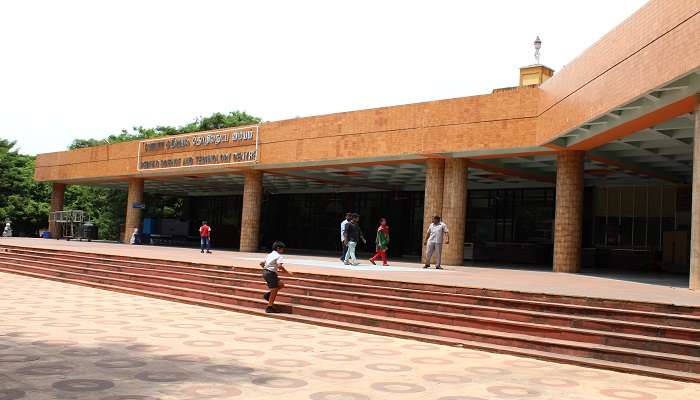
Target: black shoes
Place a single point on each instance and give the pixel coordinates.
(426, 266)
(438, 267)
(271, 310)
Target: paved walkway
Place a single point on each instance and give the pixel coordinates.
(61, 341)
(621, 286)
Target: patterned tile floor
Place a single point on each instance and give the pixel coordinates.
(60, 341)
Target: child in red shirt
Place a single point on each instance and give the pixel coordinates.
(204, 236)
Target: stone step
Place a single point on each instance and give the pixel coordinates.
(514, 305)
(388, 320)
(493, 313)
(579, 355)
(504, 294)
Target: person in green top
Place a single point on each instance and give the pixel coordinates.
(382, 242)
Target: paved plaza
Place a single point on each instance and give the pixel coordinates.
(61, 341)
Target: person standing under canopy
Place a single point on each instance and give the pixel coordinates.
(205, 237)
(343, 224)
(434, 240)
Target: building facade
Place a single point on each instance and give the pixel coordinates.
(590, 165)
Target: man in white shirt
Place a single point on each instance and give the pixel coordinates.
(343, 224)
(271, 265)
(433, 241)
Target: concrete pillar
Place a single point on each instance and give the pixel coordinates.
(57, 199)
(568, 214)
(694, 283)
(434, 184)
(454, 209)
(133, 215)
(252, 201)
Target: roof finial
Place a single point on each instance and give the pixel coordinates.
(538, 45)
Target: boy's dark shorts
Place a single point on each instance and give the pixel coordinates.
(271, 278)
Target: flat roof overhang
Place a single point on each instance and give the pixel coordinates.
(637, 77)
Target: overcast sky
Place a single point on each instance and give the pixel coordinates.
(79, 69)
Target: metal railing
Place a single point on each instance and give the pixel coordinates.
(68, 223)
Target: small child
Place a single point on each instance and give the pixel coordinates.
(271, 265)
(205, 237)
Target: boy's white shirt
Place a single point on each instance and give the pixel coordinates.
(273, 261)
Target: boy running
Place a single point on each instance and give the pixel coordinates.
(271, 265)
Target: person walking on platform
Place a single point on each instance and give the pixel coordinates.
(343, 224)
(205, 237)
(272, 265)
(353, 235)
(382, 243)
(8, 230)
(433, 241)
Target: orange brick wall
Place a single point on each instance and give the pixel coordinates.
(434, 190)
(655, 45)
(250, 220)
(133, 215)
(695, 222)
(568, 212)
(447, 125)
(454, 209)
(57, 200)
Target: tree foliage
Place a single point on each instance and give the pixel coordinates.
(214, 121)
(26, 202)
(23, 201)
(106, 207)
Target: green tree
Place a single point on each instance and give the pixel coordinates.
(26, 202)
(22, 200)
(214, 121)
(105, 207)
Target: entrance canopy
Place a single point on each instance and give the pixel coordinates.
(620, 114)
(661, 153)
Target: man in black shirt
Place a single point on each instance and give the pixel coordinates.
(352, 236)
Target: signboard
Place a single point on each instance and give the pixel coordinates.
(217, 148)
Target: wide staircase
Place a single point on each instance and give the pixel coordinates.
(651, 339)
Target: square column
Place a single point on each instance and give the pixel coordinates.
(568, 214)
(133, 215)
(250, 220)
(432, 204)
(694, 283)
(454, 209)
(57, 201)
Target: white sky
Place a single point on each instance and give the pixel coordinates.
(72, 69)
